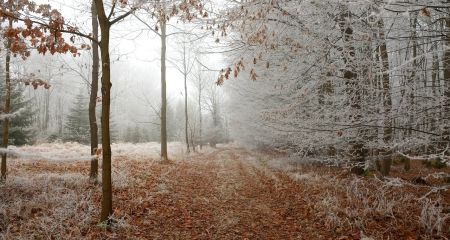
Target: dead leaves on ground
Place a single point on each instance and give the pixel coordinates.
(226, 195)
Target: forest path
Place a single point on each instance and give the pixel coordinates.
(225, 194)
(221, 193)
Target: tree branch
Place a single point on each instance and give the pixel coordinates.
(112, 10)
(122, 16)
(51, 28)
(147, 25)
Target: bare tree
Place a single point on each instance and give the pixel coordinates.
(105, 23)
(387, 100)
(164, 11)
(187, 63)
(200, 85)
(93, 95)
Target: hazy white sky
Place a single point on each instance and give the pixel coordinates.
(134, 46)
(135, 52)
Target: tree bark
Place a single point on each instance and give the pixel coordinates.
(164, 155)
(7, 109)
(107, 210)
(93, 97)
(387, 100)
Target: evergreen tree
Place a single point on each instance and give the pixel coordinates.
(20, 131)
(77, 123)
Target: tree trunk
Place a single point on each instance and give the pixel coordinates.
(446, 65)
(46, 110)
(387, 100)
(7, 109)
(186, 117)
(215, 113)
(200, 112)
(413, 76)
(185, 100)
(434, 84)
(60, 116)
(193, 141)
(107, 210)
(164, 155)
(93, 97)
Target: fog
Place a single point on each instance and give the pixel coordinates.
(135, 70)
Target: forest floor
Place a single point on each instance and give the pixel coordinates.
(222, 193)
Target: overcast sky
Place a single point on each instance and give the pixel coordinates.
(134, 47)
(135, 53)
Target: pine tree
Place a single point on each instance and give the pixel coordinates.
(20, 131)
(77, 123)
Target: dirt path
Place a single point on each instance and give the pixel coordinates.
(220, 195)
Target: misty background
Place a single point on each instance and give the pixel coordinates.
(135, 76)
